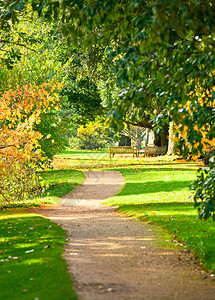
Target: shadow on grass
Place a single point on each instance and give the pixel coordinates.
(58, 190)
(167, 207)
(58, 183)
(138, 188)
(158, 169)
(61, 175)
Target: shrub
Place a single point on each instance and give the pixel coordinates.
(204, 187)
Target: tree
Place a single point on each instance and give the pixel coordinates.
(20, 110)
(80, 86)
(136, 134)
(38, 63)
(91, 136)
(162, 52)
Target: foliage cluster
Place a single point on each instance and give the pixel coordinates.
(204, 141)
(160, 53)
(20, 151)
(92, 136)
(204, 197)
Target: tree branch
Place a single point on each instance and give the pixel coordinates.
(17, 44)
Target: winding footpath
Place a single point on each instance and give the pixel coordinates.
(113, 257)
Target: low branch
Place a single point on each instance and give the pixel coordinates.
(144, 124)
(130, 135)
(17, 44)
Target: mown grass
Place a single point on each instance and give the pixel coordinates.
(56, 183)
(31, 264)
(90, 160)
(159, 194)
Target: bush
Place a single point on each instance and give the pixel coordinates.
(204, 187)
(91, 136)
(17, 181)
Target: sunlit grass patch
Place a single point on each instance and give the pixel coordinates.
(30, 258)
(159, 194)
(92, 160)
(56, 183)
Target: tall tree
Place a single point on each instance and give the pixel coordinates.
(162, 51)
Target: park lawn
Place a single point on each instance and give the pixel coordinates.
(56, 184)
(31, 264)
(99, 159)
(159, 194)
(156, 191)
(31, 246)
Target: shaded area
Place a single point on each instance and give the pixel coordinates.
(55, 184)
(137, 188)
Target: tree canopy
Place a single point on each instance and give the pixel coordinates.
(161, 60)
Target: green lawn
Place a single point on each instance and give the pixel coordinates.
(31, 246)
(31, 263)
(156, 191)
(159, 194)
(90, 159)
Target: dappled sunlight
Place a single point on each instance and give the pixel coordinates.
(31, 248)
(31, 261)
(115, 243)
(25, 245)
(90, 159)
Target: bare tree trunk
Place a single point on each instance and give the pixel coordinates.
(147, 137)
(135, 136)
(138, 136)
(171, 143)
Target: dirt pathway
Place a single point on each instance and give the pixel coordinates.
(113, 257)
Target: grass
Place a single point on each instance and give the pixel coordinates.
(31, 246)
(31, 263)
(159, 194)
(156, 191)
(90, 160)
(57, 183)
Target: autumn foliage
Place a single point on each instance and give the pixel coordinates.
(201, 134)
(20, 110)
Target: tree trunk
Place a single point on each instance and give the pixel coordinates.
(171, 143)
(138, 136)
(162, 139)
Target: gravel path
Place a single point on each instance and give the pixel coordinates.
(113, 257)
